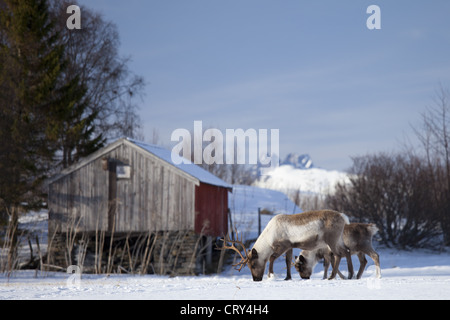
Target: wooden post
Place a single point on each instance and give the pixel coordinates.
(209, 253)
(259, 221)
(221, 260)
(230, 221)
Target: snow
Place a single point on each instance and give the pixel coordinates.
(287, 178)
(405, 275)
(419, 274)
(244, 202)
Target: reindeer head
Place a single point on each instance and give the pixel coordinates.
(256, 265)
(301, 265)
(251, 259)
(305, 264)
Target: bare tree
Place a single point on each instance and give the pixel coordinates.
(435, 138)
(396, 193)
(407, 195)
(92, 54)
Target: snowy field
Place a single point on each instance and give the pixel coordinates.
(405, 275)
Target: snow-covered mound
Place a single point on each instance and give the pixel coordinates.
(247, 199)
(289, 179)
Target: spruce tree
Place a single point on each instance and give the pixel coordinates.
(76, 134)
(37, 104)
(29, 69)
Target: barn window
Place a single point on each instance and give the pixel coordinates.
(123, 171)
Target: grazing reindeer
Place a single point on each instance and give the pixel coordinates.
(307, 231)
(357, 237)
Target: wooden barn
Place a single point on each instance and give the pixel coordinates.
(130, 195)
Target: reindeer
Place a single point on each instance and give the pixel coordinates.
(357, 237)
(307, 231)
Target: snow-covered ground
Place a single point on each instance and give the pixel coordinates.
(405, 275)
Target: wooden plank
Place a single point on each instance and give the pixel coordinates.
(181, 204)
(145, 195)
(112, 194)
(179, 186)
(85, 201)
(164, 199)
(157, 192)
(150, 200)
(128, 154)
(101, 204)
(171, 199)
(139, 178)
(190, 206)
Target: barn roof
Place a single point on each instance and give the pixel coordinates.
(186, 166)
(192, 169)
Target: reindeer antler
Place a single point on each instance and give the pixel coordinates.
(244, 260)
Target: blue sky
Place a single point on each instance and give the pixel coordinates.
(311, 69)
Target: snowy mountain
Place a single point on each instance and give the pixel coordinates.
(298, 173)
(302, 161)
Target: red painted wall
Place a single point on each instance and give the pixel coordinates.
(211, 210)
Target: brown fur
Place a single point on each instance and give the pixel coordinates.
(357, 237)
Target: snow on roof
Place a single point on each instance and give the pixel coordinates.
(188, 167)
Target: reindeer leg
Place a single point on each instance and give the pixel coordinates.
(348, 256)
(331, 257)
(341, 275)
(288, 264)
(326, 265)
(362, 264)
(339, 250)
(271, 260)
(376, 258)
(278, 249)
(337, 261)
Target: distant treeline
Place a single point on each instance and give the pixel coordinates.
(406, 194)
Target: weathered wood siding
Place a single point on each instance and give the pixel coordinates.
(79, 200)
(156, 197)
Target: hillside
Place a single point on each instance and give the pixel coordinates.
(244, 202)
(298, 173)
